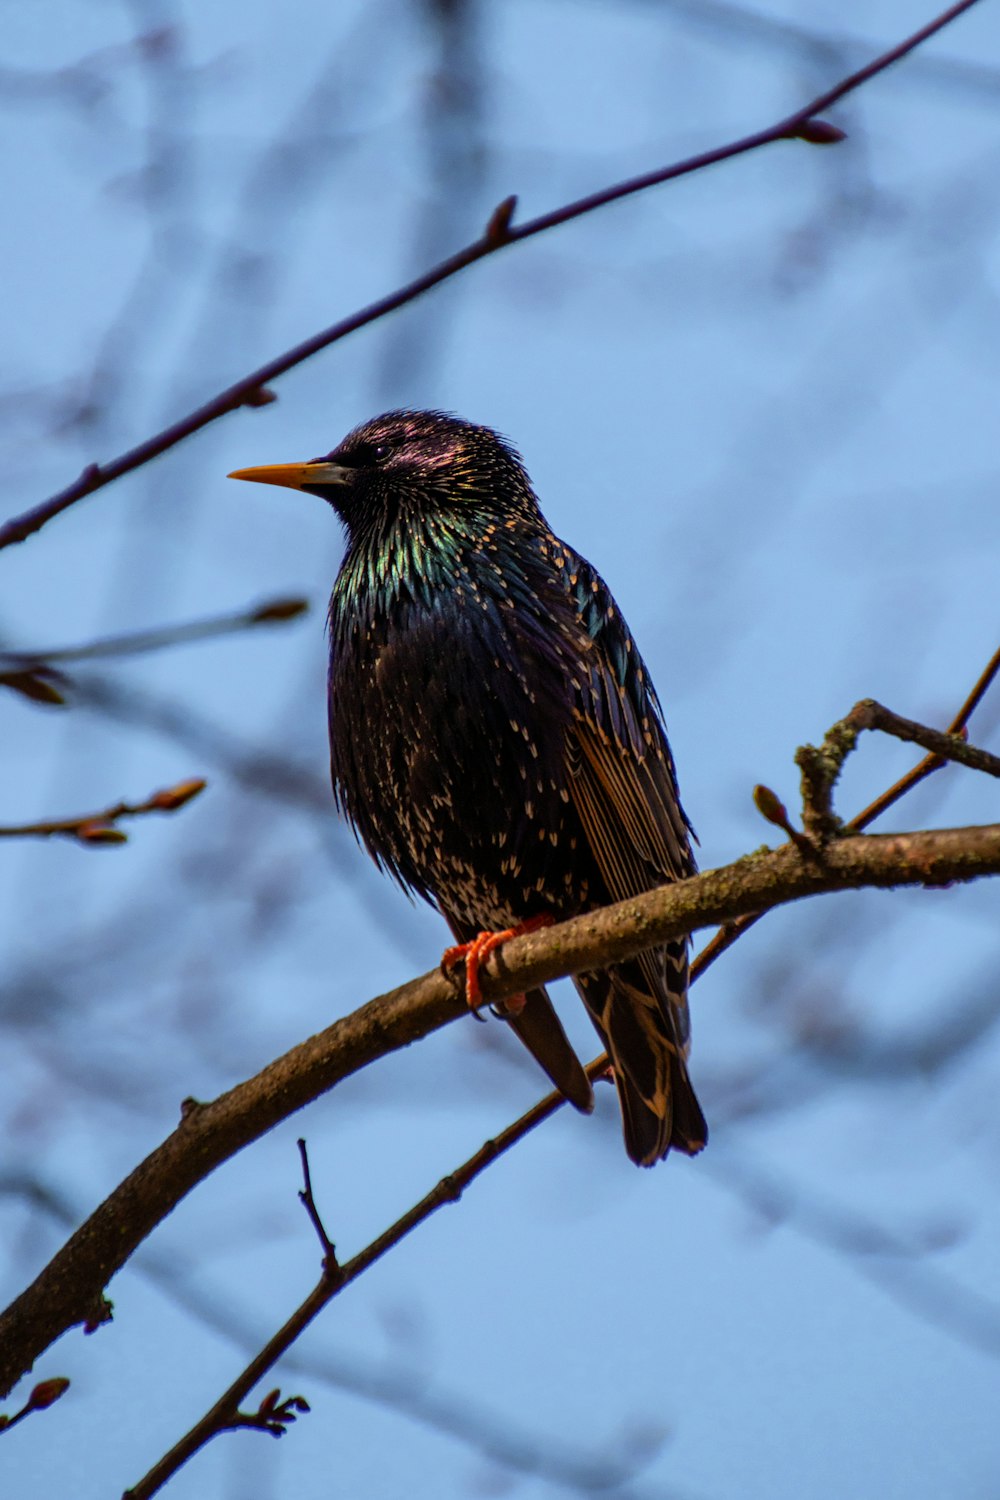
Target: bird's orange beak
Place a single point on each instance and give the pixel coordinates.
(296, 476)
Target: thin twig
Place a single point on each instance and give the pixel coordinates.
(101, 827)
(929, 763)
(499, 233)
(308, 1201)
(821, 767)
(729, 932)
(333, 1282)
(470, 1418)
(141, 642)
(948, 746)
(43, 1395)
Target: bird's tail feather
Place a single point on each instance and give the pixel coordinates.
(643, 1037)
(541, 1031)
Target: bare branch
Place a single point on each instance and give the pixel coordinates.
(499, 233)
(333, 1280)
(70, 1289)
(100, 827)
(44, 1394)
(141, 642)
(731, 931)
(930, 762)
(821, 767)
(308, 1202)
(458, 1416)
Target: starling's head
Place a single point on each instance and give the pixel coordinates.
(424, 463)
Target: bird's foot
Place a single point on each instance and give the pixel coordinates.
(478, 951)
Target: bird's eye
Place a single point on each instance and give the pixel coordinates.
(359, 454)
(363, 455)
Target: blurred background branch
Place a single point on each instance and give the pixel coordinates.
(253, 389)
(101, 827)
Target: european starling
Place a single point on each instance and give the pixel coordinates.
(496, 742)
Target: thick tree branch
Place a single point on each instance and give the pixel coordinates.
(70, 1289)
(253, 390)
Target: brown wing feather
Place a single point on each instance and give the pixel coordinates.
(622, 784)
(631, 816)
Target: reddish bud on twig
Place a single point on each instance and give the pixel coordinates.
(47, 1392)
(173, 797)
(273, 1415)
(280, 609)
(36, 683)
(262, 395)
(771, 807)
(100, 833)
(818, 133)
(498, 228)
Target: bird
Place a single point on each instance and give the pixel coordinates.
(496, 742)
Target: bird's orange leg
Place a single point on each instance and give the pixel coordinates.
(478, 951)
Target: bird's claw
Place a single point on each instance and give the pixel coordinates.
(475, 954)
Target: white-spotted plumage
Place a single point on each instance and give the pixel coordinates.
(496, 742)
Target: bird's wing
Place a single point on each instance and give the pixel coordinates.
(622, 783)
(621, 773)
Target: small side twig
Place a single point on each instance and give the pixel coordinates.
(730, 932)
(43, 1395)
(36, 682)
(771, 807)
(951, 745)
(930, 763)
(308, 1201)
(141, 642)
(226, 1411)
(821, 767)
(101, 827)
(273, 1415)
